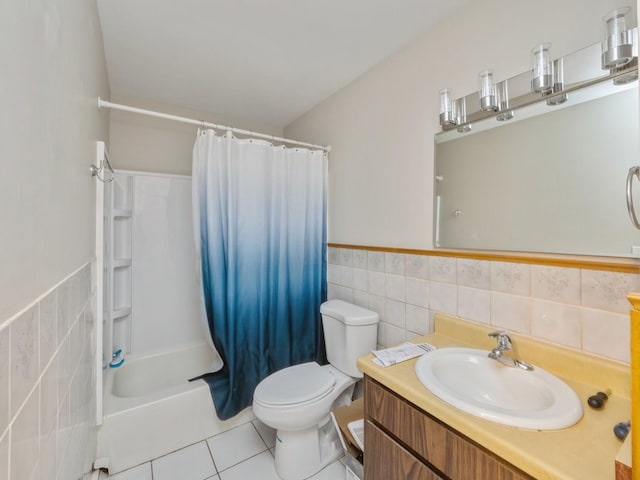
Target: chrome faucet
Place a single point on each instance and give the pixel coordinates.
(506, 345)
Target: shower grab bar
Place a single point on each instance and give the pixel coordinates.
(633, 171)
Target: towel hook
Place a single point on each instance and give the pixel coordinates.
(96, 170)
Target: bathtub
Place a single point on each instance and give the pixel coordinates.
(150, 409)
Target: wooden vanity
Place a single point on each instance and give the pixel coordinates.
(412, 434)
(403, 441)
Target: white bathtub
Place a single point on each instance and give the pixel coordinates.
(150, 409)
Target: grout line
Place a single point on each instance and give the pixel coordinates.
(259, 435)
(211, 455)
(38, 381)
(218, 472)
(176, 450)
(339, 290)
(242, 461)
(43, 370)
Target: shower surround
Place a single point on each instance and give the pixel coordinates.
(153, 314)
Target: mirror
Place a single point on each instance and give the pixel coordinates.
(551, 180)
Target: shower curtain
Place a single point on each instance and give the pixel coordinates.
(260, 228)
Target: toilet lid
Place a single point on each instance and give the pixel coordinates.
(297, 384)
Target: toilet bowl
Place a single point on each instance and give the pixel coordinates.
(299, 397)
(297, 404)
(297, 400)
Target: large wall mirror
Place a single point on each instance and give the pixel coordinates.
(550, 180)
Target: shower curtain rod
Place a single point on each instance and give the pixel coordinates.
(202, 123)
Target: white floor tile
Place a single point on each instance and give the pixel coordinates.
(259, 467)
(268, 434)
(235, 445)
(190, 463)
(141, 472)
(240, 454)
(333, 471)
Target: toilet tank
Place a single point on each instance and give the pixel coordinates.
(349, 333)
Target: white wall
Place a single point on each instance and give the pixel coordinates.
(53, 69)
(381, 126)
(148, 144)
(166, 304)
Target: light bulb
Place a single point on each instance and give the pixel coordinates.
(617, 46)
(446, 108)
(487, 91)
(542, 77)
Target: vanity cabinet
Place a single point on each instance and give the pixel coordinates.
(404, 442)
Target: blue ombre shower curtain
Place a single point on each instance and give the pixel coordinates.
(260, 229)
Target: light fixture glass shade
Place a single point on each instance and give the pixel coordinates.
(460, 107)
(617, 46)
(502, 98)
(542, 75)
(558, 83)
(447, 116)
(487, 91)
(558, 74)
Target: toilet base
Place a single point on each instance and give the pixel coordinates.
(303, 453)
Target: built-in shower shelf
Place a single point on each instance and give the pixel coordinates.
(121, 312)
(121, 213)
(121, 262)
(118, 214)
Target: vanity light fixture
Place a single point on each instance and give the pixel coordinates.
(558, 83)
(460, 107)
(617, 46)
(502, 98)
(542, 75)
(545, 82)
(447, 116)
(487, 92)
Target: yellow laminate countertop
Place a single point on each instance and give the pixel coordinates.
(584, 451)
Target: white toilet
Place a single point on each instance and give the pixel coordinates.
(296, 401)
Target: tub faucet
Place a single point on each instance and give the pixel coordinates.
(506, 345)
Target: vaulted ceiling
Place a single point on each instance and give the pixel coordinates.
(264, 61)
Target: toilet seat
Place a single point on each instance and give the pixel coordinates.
(295, 385)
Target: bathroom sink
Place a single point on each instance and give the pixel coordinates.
(468, 379)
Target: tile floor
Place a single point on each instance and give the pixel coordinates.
(242, 453)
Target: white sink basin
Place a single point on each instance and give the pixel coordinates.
(471, 381)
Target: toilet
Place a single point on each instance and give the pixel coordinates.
(297, 400)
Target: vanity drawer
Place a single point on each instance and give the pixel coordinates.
(386, 459)
(432, 441)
